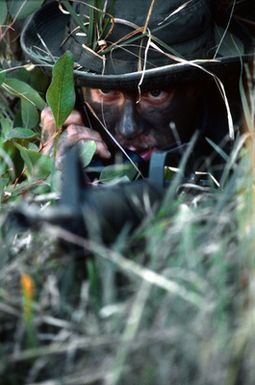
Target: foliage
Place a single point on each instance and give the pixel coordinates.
(173, 303)
(180, 311)
(22, 98)
(96, 31)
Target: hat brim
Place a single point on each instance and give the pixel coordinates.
(43, 35)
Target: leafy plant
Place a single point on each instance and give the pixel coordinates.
(22, 98)
(173, 303)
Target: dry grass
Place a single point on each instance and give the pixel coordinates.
(173, 304)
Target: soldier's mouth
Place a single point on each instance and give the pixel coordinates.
(144, 153)
(142, 145)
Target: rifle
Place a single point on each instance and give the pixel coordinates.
(108, 208)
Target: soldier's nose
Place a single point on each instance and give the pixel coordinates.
(127, 125)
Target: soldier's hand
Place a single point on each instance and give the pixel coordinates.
(73, 131)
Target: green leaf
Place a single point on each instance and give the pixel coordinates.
(20, 133)
(32, 146)
(3, 182)
(24, 91)
(61, 95)
(118, 171)
(37, 164)
(88, 150)
(19, 9)
(6, 123)
(35, 77)
(3, 12)
(29, 113)
(6, 164)
(2, 76)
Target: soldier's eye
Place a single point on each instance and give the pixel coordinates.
(109, 95)
(103, 95)
(155, 93)
(157, 97)
(107, 92)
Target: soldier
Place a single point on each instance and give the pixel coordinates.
(153, 74)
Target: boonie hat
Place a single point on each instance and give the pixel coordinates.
(148, 43)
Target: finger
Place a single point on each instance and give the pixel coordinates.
(84, 133)
(74, 129)
(48, 122)
(47, 119)
(101, 148)
(77, 133)
(49, 130)
(46, 114)
(74, 118)
(48, 127)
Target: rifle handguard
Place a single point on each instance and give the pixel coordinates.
(103, 210)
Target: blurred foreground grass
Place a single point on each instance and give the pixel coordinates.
(172, 305)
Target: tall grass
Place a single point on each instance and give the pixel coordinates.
(172, 304)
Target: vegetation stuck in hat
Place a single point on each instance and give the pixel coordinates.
(114, 318)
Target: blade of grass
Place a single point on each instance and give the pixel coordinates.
(92, 23)
(78, 19)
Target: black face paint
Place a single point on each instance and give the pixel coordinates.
(146, 125)
(127, 124)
